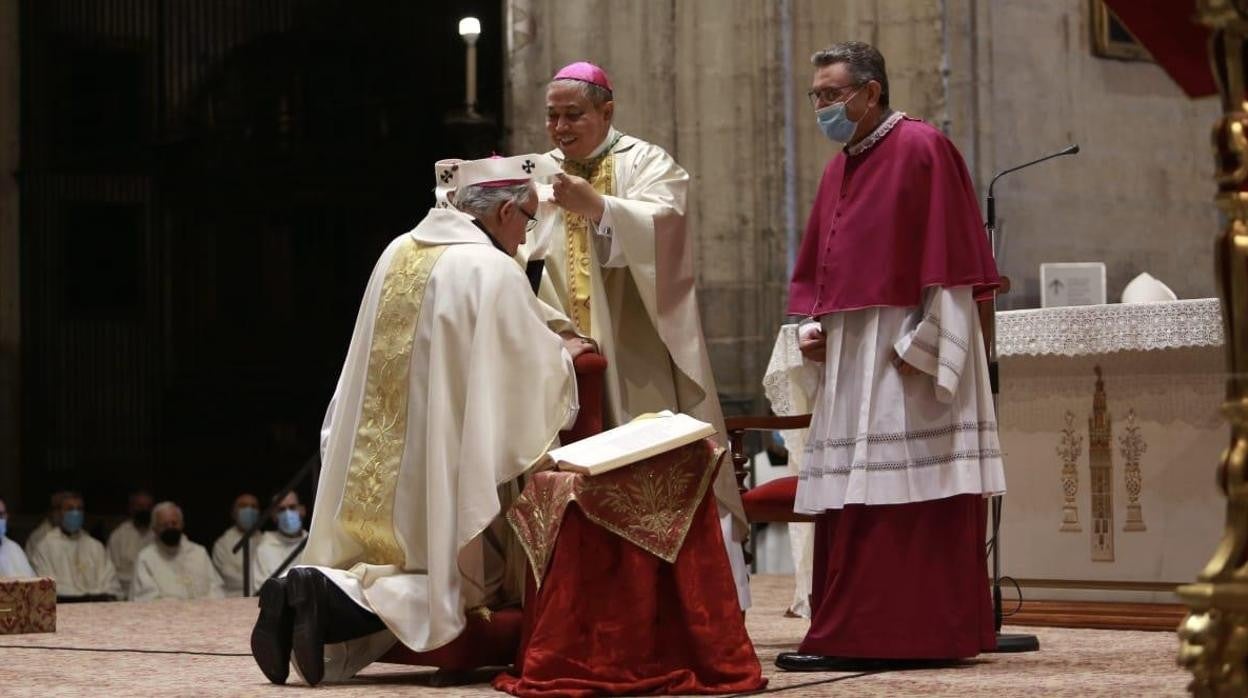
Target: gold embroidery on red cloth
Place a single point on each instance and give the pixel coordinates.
(536, 515)
(650, 504)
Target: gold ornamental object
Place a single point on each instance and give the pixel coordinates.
(1214, 635)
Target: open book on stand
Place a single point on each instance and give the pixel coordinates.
(626, 444)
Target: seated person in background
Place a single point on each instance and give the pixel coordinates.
(13, 562)
(275, 546)
(49, 522)
(77, 561)
(134, 534)
(458, 388)
(229, 563)
(173, 567)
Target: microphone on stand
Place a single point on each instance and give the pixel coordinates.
(1006, 642)
(991, 224)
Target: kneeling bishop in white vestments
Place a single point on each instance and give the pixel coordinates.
(452, 388)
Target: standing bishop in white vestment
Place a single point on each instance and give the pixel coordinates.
(619, 264)
(452, 388)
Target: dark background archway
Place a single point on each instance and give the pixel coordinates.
(205, 185)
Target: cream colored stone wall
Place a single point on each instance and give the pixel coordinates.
(1009, 80)
(1138, 197)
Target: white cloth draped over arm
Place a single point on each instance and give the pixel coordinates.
(940, 342)
(575, 409)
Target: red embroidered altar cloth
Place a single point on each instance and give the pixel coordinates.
(613, 616)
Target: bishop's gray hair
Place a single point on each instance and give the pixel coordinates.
(596, 95)
(481, 202)
(863, 61)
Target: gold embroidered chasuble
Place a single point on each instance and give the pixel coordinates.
(438, 408)
(368, 508)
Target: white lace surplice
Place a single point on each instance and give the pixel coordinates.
(878, 437)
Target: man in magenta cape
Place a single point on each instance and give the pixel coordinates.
(903, 442)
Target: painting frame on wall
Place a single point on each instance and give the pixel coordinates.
(1111, 38)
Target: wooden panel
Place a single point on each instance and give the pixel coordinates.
(1091, 614)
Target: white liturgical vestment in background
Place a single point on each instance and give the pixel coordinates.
(184, 572)
(78, 563)
(230, 564)
(452, 386)
(40, 531)
(124, 544)
(13, 562)
(270, 552)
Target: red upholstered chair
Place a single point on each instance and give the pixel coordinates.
(590, 372)
(494, 642)
(772, 501)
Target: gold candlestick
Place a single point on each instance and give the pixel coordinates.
(1214, 634)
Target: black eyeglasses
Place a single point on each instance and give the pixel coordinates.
(829, 95)
(531, 223)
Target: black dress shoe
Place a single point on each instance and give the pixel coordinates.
(792, 661)
(270, 638)
(323, 614)
(306, 595)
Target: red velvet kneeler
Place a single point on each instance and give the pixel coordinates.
(902, 581)
(613, 619)
(483, 643)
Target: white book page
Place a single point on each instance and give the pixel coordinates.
(628, 439)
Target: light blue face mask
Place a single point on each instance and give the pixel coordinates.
(71, 521)
(835, 122)
(4, 527)
(289, 521)
(246, 517)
